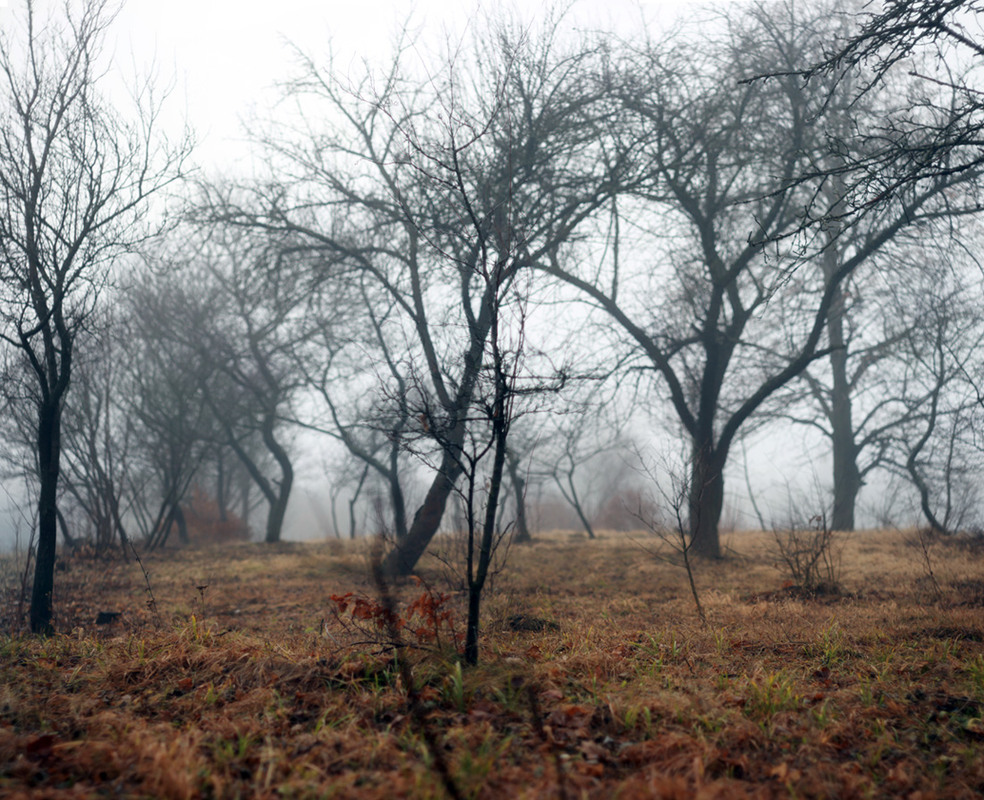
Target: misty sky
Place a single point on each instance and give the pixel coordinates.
(226, 55)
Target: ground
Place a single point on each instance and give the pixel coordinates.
(283, 671)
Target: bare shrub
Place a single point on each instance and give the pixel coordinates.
(209, 524)
(670, 525)
(810, 555)
(927, 540)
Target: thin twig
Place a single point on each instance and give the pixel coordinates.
(152, 602)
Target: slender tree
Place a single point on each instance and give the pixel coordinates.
(75, 179)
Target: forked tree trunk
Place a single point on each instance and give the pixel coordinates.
(401, 560)
(277, 494)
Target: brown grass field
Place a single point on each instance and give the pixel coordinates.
(260, 686)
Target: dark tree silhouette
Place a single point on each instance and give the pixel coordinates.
(75, 177)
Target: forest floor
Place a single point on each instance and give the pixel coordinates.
(254, 673)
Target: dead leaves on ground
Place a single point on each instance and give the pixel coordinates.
(627, 698)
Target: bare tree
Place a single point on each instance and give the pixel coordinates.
(503, 385)
(730, 245)
(939, 44)
(75, 178)
(365, 403)
(495, 156)
(857, 405)
(937, 447)
(174, 429)
(98, 434)
(238, 307)
(859, 397)
(518, 481)
(580, 436)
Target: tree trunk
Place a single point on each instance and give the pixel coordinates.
(519, 493)
(396, 494)
(278, 505)
(182, 523)
(477, 583)
(912, 462)
(401, 560)
(578, 508)
(278, 508)
(847, 482)
(354, 501)
(277, 498)
(399, 508)
(65, 532)
(220, 488)
(49, 454)
(847, 476)
(705, 501)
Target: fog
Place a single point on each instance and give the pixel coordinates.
(355, 268)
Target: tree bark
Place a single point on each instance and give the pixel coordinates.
(847, 476)
(278, 510)
(401, 560)
(705, 501)
(519, 493)
(179, 519)
(278, 506)
(49, 454)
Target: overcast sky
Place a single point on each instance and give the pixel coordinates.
(225, 54)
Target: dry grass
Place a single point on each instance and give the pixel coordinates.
(251, 687)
